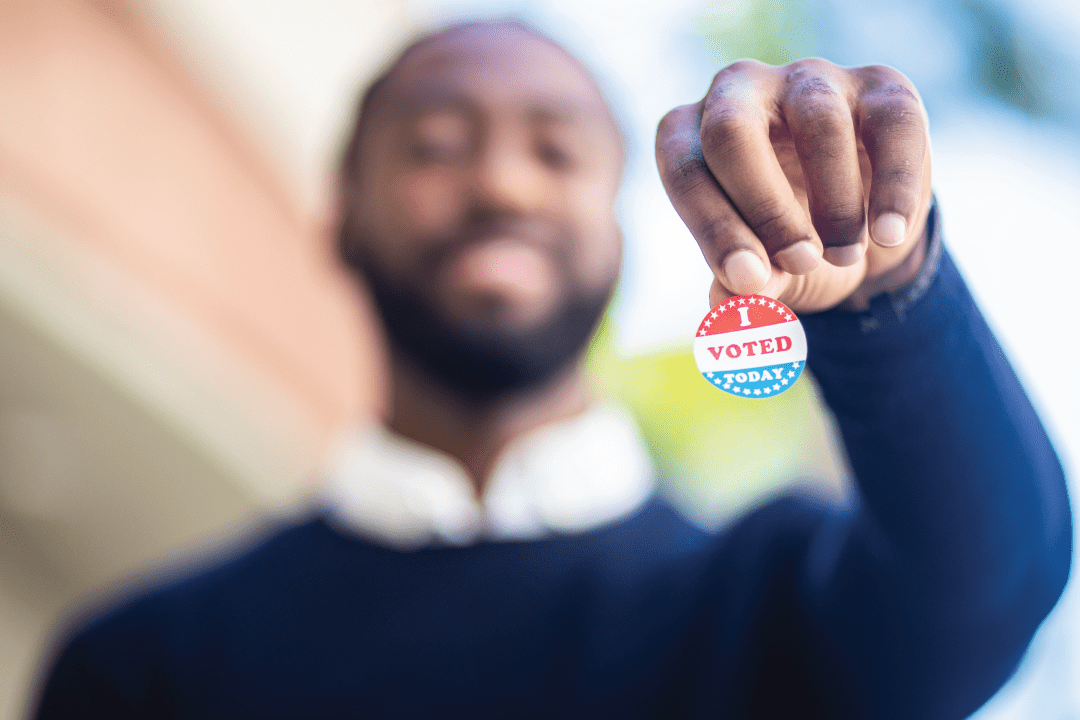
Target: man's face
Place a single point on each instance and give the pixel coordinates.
(485, 191)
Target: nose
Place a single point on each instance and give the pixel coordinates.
(508, 177)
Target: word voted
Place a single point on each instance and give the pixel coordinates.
(765, 346)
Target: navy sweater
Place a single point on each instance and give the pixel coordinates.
(917, 602)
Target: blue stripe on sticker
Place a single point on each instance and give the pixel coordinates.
(757, 382)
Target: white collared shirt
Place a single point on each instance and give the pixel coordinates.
(565, 477)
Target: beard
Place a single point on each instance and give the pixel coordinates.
(481, 364)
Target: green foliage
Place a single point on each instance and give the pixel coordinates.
(720, 452)
(1009, 63)
(772, 31)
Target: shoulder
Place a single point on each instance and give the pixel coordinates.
(168, 602)
(131, 651)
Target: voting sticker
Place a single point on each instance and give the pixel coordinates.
(751, 346)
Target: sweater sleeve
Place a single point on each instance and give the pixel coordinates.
(959, 541)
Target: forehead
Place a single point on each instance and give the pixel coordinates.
(495, 69)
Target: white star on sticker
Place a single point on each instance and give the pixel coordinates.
(708, 323)
(746, 391)
(708, 374)
(776, 386)
(787, 317)
(791, 373)
(728, 386)
(714, 316)
(737, 388)
(742, 301)
(756, 391)
(768, 390)
(783, 381)
(701, 332)
(772, 305)
(795, 365)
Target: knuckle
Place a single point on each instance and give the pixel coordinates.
(841, 213)
(899, 111)
(884, 84)
(821, 121)
(724, 132)
(776, 224)
(768, 220)
(710, 230)
(673, 122)
(733, 77)
(813, 104)
(812, 88)
(715, 234)
(682, 170)
(840, 222)
(678, 152)
(685, 174)
(808, 67)
(895, 94)
(742, 67)
(669, 147)
(666, 127)
(682, 175)
(902, 175)
(883, 75)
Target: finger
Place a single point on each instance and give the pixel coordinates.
(736, 256)
(892, 124)
(737, 148)
(819, 117)
(778, 282)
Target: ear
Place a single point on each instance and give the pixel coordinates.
(338, 231)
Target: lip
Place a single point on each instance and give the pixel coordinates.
(502, 266)
(533, 231)
(475, 236)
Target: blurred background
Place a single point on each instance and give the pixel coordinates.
(178, 351)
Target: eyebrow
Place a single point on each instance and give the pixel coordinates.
(431, 96)
(437, 94)
(420, 103)
(557, 113)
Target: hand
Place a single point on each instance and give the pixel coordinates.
(778, 169)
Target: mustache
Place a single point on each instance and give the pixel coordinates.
(540, 232)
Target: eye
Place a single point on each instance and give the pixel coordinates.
(563, 146)
(438, 138)
(435, 153)
(555, 155)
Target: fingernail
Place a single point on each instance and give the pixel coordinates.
(800, 258)
(745, 272)
(890, 229)
(844, 255)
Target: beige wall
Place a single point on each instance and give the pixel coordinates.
(176, 347)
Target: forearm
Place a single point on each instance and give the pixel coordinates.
(962, 530)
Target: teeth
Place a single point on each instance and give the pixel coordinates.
(505, 267)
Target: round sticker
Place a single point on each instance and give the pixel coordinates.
(751, 346)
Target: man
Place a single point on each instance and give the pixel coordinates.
(497, 551)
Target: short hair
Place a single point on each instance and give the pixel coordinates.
(348, 161)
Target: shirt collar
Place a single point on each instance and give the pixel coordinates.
(564, 477)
